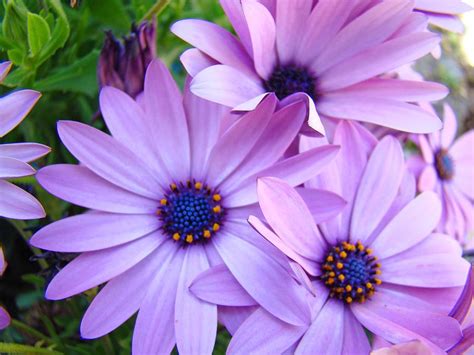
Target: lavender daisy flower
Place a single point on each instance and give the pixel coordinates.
(4, 316)
(329, 53)
(447, 168)
(376, 265)
(14, 158)
(171, 190)
(444, 14)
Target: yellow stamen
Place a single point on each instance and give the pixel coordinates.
(343, 254)
(368, 251)
(348, 288)
(349, 299)
(216, 197)
(176, 236)
(173, 186)
(329, 258)
(332, 274)
(206, 233)
(217, 209)
(369, 285)
(189, 238)
(341, 277)
(378, 272)
(339, 265)
(216, 227)
(198, 186)
(163, 201)
(359, 290)
(378, 281)
(330, 281)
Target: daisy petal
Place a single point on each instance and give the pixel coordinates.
(89, 232)
(18, 204)
(14, 168)
(14, 107)
(94, 268)
(322, 204)
(194, 61)
(428, 179)
(4, 69)
(26, 152)
(195, 320)
(450, 127)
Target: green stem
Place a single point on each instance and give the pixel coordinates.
(155, 10)
(31, 331)
(108, 346)
(20, 227)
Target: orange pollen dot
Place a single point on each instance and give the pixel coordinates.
(189, 238)
(176, 236)
(198, 186)
(216, 197)
(339, 265)
(216, 227)
(163, 201)
(206, 233)
(217, 209)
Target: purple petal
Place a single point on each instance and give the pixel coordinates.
(261, 275)
(128, 124)
(384, 112)
(216, 42)
(4, 69)
(195, 320)
(233, 317)
(263, 333)
(410, 226)
(94, 268)
(378, 60)
(4, 318)
(167, 121)
(18, 204)
(89, 232)
(235, 14)
(3, 263)
(355, 338)
(326, 333)
(194, 61)
(122, 296)
(295, 171)
(287, 214)
(78, 185)
(378, 188)
(322, 204)
(439, 6)
(26, 152)
(108, 158)
(154, 329)
(463, 305)
(450, 127)
(217, 285)
(428, 179)
(245, 133)
(226, 85)
(14, 107)
(14, 168)
(262, 34)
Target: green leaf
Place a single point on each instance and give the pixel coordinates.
(78, 77)
(14, 23)
(38, 33)
(25, 349)
(111, 13)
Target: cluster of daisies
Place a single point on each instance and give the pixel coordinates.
(273, 194)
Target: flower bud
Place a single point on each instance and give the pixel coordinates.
(122, 64)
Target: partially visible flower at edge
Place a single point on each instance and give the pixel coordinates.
(446, 166)
(15, 203)
(444, 14)
(4, 316)
(122, 64)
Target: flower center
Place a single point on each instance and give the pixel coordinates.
(291, 79)
(350, 272)
(191, 212)
(444, 165)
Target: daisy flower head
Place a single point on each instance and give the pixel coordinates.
(170, 191)
(375, 266)
(446, 166)
(14, 157)
(4, 316)
(331, 54)
(444, 14)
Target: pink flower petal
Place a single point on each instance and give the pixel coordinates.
(322, 204)
(194, 61)
(235, 14)
(428, 179)
(450, 127)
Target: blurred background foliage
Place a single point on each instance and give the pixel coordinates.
(55, 45)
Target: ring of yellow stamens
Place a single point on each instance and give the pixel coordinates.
(350, 271)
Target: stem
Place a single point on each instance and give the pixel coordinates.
(108, 347)
(31, 331)
(155, 9)
(20, 227)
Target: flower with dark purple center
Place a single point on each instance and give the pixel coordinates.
(291, 79)
(444, 165)
(191, 212)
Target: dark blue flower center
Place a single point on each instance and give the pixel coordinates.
(191, 212)
(290, 79)
(350, 272)
(444, 165)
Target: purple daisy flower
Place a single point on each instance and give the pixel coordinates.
(444, 13)
(170, 191)
(14, 158)
(4, 316)
(446, 166)
(328, 53)
(376, 265)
